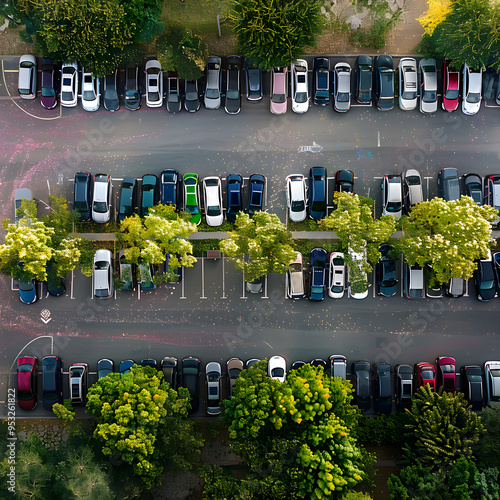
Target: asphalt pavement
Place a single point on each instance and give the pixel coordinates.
(209, 315)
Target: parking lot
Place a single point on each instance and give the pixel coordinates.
(205, 315)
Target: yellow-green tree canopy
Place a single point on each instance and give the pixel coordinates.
(450, 236)
(265, 239)
(436, 13)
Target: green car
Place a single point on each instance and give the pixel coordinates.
(192, 197)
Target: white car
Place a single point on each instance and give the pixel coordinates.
(213, 387)
(428, 86)
(342, 87)
(296, 197)
(472, 82)
(91, 92)
(102, 276)
(412, 188)
(69, 84)
(295, 278)
(492, 376)
(336, 275)
(357, 260)
(300, 86)
(26, 82)
(212, 97)
(276, 368)
(212, 196)
(407, 83)
(392, 196)
(154, 84)
(101, 208)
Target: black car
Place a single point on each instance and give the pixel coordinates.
(361, 375)
(253, 81)
(319, 362)
(386, 271)
(170, 190)
(173, 102)
(82, 197)
(297, 364)
(132, 89)
(128, 198)
(364, 79)
(111, 98)
(383, 389)
(150, 193)
(234, 196)
(321, 81)
(448, 184)
(404, 386)
(49, 90)
(52, 380)
(317, 190)
(256, 195)
(344, 181)
(191, 96)
(105, 366)
(190, 368)
(473, 385)
(472, 185)
(55, 284)
(384, 77)
(484, 279)
(169, 369)
(233, 94)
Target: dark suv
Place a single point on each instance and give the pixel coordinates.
(132, 93)
(128, 198)
(361, 375)
(472, 384)
(52, 375)
(190, 368)
(82, 195)
(448, 184)
(383, 390)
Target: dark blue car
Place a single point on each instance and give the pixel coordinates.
(256, 194)
(234, 196)
(128, 198)
(317, 191)
(150, 193)
(170, 187)
(27, 286)
(318, 274)
(52, 374)
(386, 273)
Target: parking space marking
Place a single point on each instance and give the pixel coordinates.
(72, 297)
(466, 294)
(244, 296)
(182, 283)
(402, 273)
(427, 192)
(378, 138)
(203, 278)
(265, 288)
(223, 279)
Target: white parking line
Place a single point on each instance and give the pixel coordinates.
(223, 279)
(244, 289)
(466, 294)
(72, 297)
(402, 273)
(203, 278)
(265, 288)
(427, 192)
(378, 138)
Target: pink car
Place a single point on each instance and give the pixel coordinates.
(446, 369)
(451, 87)
(279, 85)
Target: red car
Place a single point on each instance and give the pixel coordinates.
(425, 373)
(451, 87)
(27, 369)
(446, 369)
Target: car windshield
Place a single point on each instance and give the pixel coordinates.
(393, 206)
(343, 97)
(318, 206)
(256, 198)
(451, 94)
(48, 92)
(154, 96)
(298, 206)
(413, 180)
(67, 96)
(473, 97)
(322, 93)
(278, 372)
(213, 211)
(409, 95)
(232, 94)
(81, 206)
(213, 377)
(487, 285)
(89, 95)
(25, 287)
(278, 98)
(212, 93)
(301, 97)
(100, 207)
(429, 96)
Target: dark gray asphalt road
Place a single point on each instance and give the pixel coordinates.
(223, 324)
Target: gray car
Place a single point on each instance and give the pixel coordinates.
(342, 87)
(448, 184)
(27, 77)
(428, 86)
(212, 91)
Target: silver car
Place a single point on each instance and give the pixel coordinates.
(154, 84)
(69, 84)
(407, 83)
(342, 87)
(102, 276)
(412, 188)
(212, 91)
(101, 209)
(472, 82)
(91, 92)
(27, 77)
(428, 86)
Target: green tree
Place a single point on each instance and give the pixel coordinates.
(129, 409)
(469, 32)
(488, 454)
(441, 428)
(451, 236)
(161, 232)
(60, 411)
(352, 221)
(295, 436)
(265, 239)
(274, 33)
(180, 50)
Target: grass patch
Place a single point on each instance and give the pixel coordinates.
(305, 246)
(93, 227)
(201, 246)
(225, 227)
(305, 225)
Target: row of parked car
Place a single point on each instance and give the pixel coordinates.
(479, 389)
(331, 274)
(373, 80)
(93, 195)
